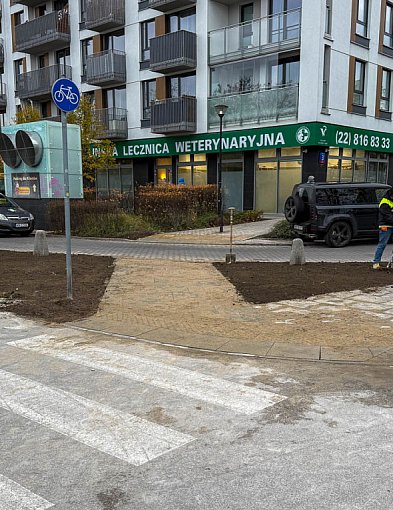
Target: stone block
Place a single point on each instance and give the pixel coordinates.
(298, 257)
(40, 243)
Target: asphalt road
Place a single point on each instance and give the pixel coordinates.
(315, 252)
(98, 423)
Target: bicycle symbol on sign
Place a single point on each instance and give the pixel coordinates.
(66, 93)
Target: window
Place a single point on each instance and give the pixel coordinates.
(328, 18)
(115, 98)
(359, 85)
(114, 41)
(326, 78)
(362, 18)
(182, 85)
(148, 95)
(183, 20)
(18, 17)
(192, 169)
(285, 72)
(83, 11)
(63, 58)
(384, 104)
(18, 67)
(87, 49)
(285, 19)
(148, 30)
(388, 33)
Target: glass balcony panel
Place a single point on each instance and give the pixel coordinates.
(258, 37)
(255, 106)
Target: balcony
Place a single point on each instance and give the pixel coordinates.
(104, 15)
(3, 98)
(38, 84)
(106, 68)
(174, 115)
(29, 3)
(169, 5)
(49, 32)
(173, 52)
(114, 123)
(256, 107)
(264, 36)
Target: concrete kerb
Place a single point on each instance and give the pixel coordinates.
(297, 352)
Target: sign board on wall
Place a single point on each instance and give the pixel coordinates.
(293, 135)
(26, 185)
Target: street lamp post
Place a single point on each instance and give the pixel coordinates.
(220, 110)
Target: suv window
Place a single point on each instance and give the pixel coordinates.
(344, 196)
(380, 193)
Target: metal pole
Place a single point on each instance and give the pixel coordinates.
(220, 194)
(230, 239)
(67, 204)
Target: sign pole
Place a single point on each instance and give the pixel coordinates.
(66, 96)
(67, 215)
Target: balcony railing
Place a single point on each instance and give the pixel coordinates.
(173, 52)
(168, 5)
(3, 98)
(173, 115)
(29, 3)
(114, 122)
(255, 107)
(106, 68)
(38, 84)
(279, 32)
(48, 32)
(104, 14)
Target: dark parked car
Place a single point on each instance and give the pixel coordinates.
(13, 218)
(335, 212)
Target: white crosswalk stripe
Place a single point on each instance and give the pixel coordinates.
(124, 436)
(220, 392)
(15, 497)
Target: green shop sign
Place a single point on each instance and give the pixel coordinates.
(294, 135)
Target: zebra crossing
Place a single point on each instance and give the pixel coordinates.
(124, 436)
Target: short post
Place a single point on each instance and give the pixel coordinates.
(298, 257)
(40, 244)
(230, 257)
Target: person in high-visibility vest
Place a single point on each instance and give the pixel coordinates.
(385, 221)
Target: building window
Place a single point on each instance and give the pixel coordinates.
(115, 98)
(328, 19)
(86, 49)
(148, 95)
(192, 169)
(362, 18)
(18, 18)
(183, 20)
(384, 104)
(388, 34)
(114, 41)
(63, 58)
(182, 85)
(326, 78)
(83, 11)
(347, 165)
(18, 68)
(359, 84)
(378, 165)
(148, 31)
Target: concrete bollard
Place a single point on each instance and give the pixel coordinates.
(40, 243)
(298, 257)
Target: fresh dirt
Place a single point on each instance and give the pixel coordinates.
(262, 282)
(36, 287)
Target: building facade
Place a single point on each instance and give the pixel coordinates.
(307, 85)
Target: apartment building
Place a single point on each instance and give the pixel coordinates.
(307, 85)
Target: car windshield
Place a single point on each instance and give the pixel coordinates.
(6, 202)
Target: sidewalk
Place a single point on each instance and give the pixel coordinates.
(244, 233)
(193, 305)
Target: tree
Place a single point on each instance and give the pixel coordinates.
(27, 113)
(91, 133)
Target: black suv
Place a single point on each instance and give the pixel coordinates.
(335, 212)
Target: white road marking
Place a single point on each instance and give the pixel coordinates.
(234, 396)
(15, 497)
(124, 436)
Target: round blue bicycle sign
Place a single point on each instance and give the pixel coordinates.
(65, 94)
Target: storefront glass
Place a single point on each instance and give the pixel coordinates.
(347, 165)
(232, 183)
(266, 179)
(290, 173)
(192, 169)
(163, 169)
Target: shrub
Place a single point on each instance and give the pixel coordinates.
(119, 224)
(281, 230)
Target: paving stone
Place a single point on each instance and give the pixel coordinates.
(283, 350)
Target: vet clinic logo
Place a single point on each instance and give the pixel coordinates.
(303, 135)
(323, 130)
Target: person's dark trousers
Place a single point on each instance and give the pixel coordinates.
(384, 236)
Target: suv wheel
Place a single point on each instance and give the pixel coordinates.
(339, 234)
(293, 209)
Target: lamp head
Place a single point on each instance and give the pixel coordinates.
(221, 109)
